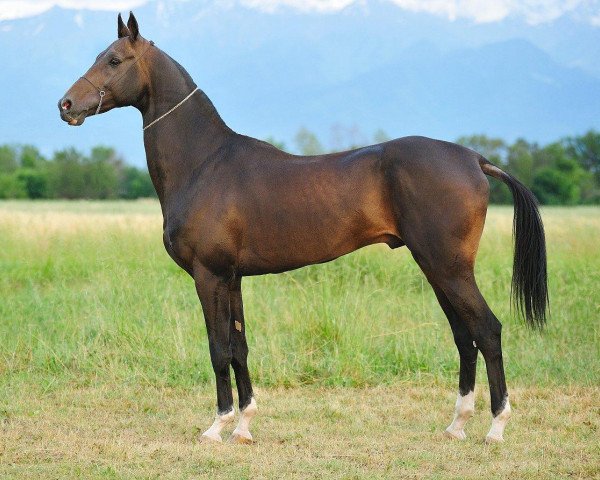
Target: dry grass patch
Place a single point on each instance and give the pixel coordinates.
(384, 432)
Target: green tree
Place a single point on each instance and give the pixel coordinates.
(307, 142)
(11, 187)
(34, 181)
(136, 183)
(495, 150)
(563, 172)
(30, 157)
(380, 136)
(347, 137)
(585, 149)
(8, 159)
(276, 143)
(520, 162)
(102, 171)
(66, 177)
(559, 181)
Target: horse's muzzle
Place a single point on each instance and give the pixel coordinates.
(67, 113)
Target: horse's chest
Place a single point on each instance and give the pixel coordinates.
(177, 241)
(198, 240)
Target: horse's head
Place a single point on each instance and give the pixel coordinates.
(116, 79)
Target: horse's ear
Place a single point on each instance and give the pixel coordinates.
(132, 25)
(122, 30)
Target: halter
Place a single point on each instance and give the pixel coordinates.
(172, 110)
(102, 91)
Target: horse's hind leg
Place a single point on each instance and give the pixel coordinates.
(465, 401)
(485, 329)
(448, 264)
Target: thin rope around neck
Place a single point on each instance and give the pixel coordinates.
(172, 110)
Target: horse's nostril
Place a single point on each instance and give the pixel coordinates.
(66, 104)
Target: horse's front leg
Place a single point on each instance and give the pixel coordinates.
(213, 292)
(239, 349)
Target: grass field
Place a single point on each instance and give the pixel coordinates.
(104, 368)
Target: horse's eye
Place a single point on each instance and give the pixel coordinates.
(114, 61)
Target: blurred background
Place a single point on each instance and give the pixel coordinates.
(519, 81)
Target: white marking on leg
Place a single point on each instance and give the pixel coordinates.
(241, 434)
(498, 423)
(463, 410)
(214, 432)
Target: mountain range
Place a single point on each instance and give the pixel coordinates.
(369, 66)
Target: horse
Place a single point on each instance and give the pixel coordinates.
(234, 206)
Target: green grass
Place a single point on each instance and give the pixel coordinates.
(90, 295)
(96, 319)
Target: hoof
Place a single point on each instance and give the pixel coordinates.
(241, 439)
(455, 434)
(493, 439)
(204, 438)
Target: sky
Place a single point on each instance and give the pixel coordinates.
(511, 68)
(479, 11)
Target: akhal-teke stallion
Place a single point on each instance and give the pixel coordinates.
(234, 206)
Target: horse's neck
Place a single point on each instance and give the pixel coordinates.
(184, 139)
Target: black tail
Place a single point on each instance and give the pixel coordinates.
(529, 282)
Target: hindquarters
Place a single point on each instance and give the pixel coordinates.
(440, 198)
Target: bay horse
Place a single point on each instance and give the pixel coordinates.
(234, 206)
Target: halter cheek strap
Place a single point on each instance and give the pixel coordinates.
(102, 91)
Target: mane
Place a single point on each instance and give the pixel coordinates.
(207, 105)
(182, 70)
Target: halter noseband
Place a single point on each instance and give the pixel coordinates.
(102, 91)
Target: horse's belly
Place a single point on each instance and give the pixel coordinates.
(282, 247)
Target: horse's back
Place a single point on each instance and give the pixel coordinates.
(439, 156)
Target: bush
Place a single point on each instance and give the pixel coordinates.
(11, 187)
(35, 182)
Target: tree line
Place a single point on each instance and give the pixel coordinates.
(564, 172)
(69, 174)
